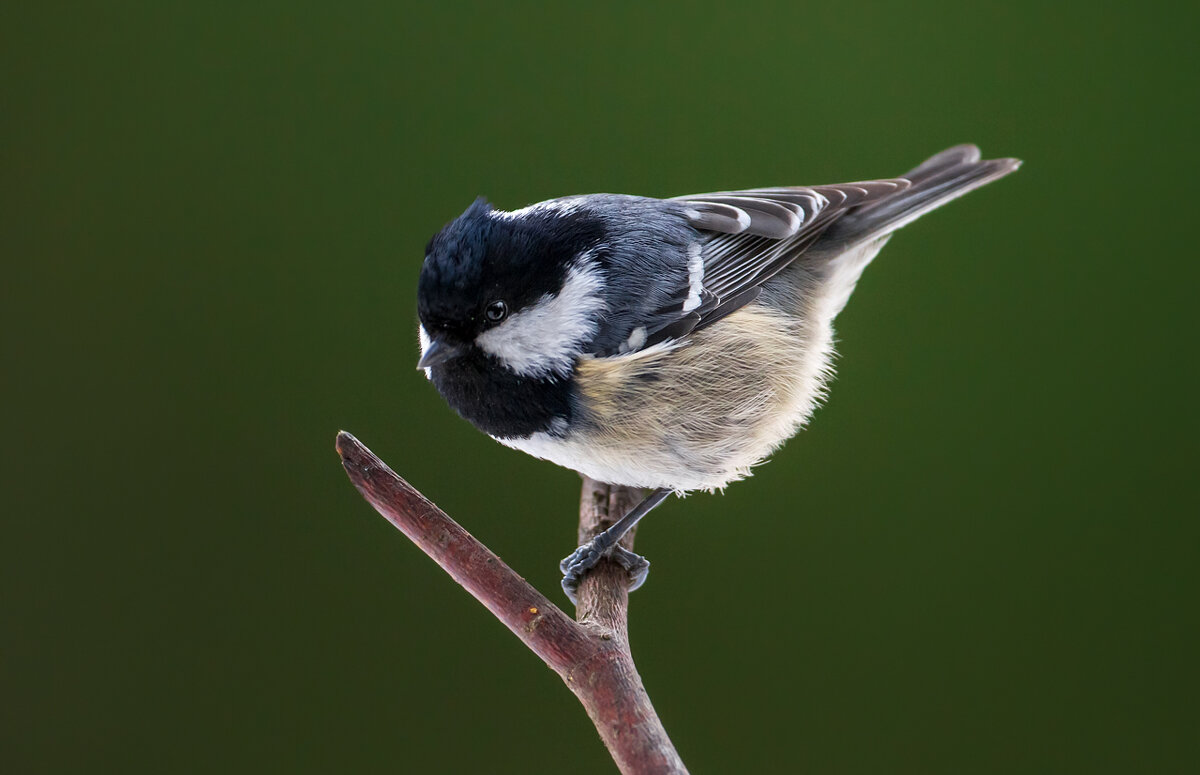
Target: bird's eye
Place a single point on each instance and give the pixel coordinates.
(496, 311)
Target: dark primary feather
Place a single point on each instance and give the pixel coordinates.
(733, 262)
(750, 236)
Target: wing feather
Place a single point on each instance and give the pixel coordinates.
(748, 237)
(783, 223)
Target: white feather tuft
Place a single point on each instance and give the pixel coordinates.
(695, 277)
(423, 338)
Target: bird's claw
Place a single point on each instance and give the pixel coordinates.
(575, 567)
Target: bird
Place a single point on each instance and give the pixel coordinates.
(664, 344)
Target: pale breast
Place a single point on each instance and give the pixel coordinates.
(695, 415)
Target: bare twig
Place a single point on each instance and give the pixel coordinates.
(592, 655)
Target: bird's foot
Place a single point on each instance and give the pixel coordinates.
(583, 559)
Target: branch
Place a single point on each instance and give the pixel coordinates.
(592, 655)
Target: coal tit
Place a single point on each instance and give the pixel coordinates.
(669, 344)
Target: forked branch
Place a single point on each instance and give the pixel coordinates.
(591, 655)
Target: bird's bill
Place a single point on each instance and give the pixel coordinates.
(438, 351)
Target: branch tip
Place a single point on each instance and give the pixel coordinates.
(596, 666)
(346, 443)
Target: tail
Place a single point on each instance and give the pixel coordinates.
(941, 178)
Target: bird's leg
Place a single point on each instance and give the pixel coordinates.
(607, 544)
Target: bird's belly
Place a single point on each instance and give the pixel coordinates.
(696, 416)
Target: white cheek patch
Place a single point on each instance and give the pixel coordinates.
(544, 339)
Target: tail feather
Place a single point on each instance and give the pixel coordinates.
(938, 180)
(951, 157)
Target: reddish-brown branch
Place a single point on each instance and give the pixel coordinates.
(592, 655)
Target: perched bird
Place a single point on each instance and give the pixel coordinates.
(669, 344)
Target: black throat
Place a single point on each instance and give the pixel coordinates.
(499, 402)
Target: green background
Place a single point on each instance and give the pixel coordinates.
(980, 558)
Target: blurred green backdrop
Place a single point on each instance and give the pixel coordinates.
(980, 558)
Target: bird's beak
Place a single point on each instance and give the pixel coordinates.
(438, 351)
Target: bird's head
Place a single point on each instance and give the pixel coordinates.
(523, 289)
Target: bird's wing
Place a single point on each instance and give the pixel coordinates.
(748, 237)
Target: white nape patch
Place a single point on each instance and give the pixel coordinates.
(423, 338)
(636, 339)
(564, 206)
(695, 277)
(544, 339)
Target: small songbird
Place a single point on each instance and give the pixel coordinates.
(669, 344)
